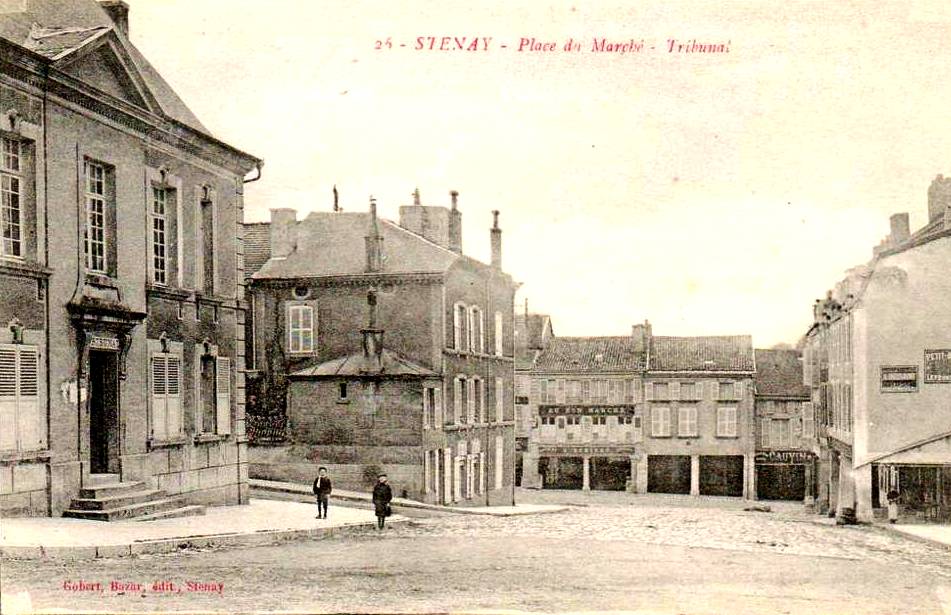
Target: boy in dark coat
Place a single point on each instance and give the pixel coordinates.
(322, 489)
(382, 494)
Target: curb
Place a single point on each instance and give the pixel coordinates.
(180, 543)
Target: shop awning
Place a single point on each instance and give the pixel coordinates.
(933, 450)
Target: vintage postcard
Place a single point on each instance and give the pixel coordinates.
(475, 307)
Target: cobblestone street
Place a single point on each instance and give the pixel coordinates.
(618, 552)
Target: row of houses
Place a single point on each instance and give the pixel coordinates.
(659, 414)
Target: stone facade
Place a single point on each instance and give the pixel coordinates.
(123, 195)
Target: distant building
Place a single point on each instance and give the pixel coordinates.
(785, 429)
(699, 432)
(122, 304)
(878, 360)
(532, 334)
(438, 414)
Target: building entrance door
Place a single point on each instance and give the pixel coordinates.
(610, 474)
(103, 412)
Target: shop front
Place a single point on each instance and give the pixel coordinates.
(785, 475)
(608, 468)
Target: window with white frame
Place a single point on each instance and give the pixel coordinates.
(498, 334)
(11, 198)
(726, 421)
(460, 316)
(22, 423)
(688, 391)
(660, 421)
(687, 421)
(166, 379)
(301, 324)
(661, 390)
(727, 390)
(779, 432)
(472, 388)
(95, 234)
(476, 330)
(499, 398)
(160, 227)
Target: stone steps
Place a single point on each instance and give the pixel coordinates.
(105, 498)
(117, 501)
(182, 511)
(98, 491)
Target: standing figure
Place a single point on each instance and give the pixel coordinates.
(382, 494)
(893, 497)
(322, 489)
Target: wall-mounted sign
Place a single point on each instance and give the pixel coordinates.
(104, 343)
(792, 457)
(586, 410)
(899, 378)
(586, 450)
(937, 367)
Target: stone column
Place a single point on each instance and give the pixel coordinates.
(586, 473)
(749, 478)
(863, 494)
(809, 498)
(695, 475)
(632, 480)
(641, 479)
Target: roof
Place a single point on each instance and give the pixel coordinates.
(529, 338)
(779, 374)
(590, 354)
(926, 234)
(57, 29)
(358, 364)
(723, 353)
(332, 244)
(257, 246)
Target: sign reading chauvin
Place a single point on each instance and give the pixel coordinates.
(938, 366)
(793, 457)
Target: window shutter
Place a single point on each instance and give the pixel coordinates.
(223, 394)
(808, 420)
(159, 389)
(8, 397)
(534, 391)
(437, 396)
(482, 417)
(31, 435)
(649, 391)
(457, 399)
(675, 390)
(561, 391)
(481, 331)
(764, 432)
(173, 399)
(738, 387)
(712, 387)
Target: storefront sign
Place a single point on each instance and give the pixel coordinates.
(104, 343)
(585, 410)
(586, 450)
(937, 367)
(790, 457)
(899, 378)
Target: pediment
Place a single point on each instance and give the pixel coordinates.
(104, 69)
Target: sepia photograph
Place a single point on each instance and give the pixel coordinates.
(555, 306)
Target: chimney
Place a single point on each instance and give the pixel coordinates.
(430, 222)
(374, 242)
(372, 336)
(939, 197)
(118, 12)
(641, 335)
(455, 224)
(495, 238)
(900, 230)
(947, 217)
(283, 232)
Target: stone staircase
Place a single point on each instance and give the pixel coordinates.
(108, 499)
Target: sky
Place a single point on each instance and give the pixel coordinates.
(709, 193)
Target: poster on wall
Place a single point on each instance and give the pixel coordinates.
(899, 378)
(938, 366)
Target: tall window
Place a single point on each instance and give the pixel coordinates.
(660, 421)
(808, 420)
(95, 236)
(11, 199)
(498, 334)
(476, 330)
(661, 390)
(166, 397)
(208, 240)
(429, 407)
(499, 398)
(459, 399)
(688, 390)
(300, 328)
(727, 390)
(223, 395)
(159, 235)
(687, 421)
(22, 424)
(779, 432)
(459, 317)
(471, 400)
(480, 398)
(726, 422)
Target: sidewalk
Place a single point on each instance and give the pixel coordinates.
(938, 535)
(259, 523)
(400, 505)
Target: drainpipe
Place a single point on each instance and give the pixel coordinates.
(257, 167)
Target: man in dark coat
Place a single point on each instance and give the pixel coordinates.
(322, 489)
(382, 494)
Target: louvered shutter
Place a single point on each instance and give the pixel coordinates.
(32, 436)
(535, 392)
(499, 399)
(8, 397)
(159, 389)
(561, 391)
(711, 387)
(223, 394)
(649, 391)
(437, 395)
(675, 390)
(173, 397)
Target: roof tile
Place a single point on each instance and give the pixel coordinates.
(705, 353)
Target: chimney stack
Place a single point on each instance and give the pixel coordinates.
(118, 12)
(495, 238)
(641, 336)
(374, 242)
(455, 224)
(900, 229)
(947, 217)
(372, 335)
(283, 232)
(939, 197)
